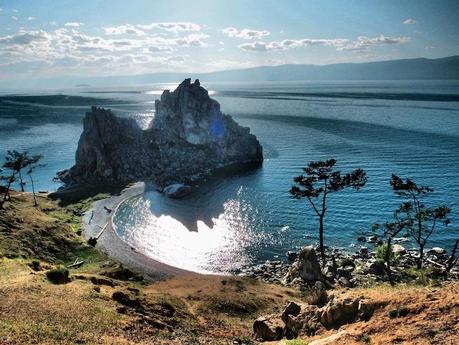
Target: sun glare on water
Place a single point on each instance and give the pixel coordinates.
(184, 239)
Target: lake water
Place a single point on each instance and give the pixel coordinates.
(407, 128)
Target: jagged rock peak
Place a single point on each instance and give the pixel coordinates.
(188, 139)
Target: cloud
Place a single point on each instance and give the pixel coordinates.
(364, 42)
(341, 44)
(123, 30)
(52, 23)
(73, 24)
(246, 34)
(172, 26)
(288, 44)
(192, 40)
(409, 21)
(14, 17)
(31, 18)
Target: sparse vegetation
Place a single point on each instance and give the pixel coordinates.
(420, 220)
(59, 275)
(321, 180)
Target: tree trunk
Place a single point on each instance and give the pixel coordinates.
(33, 191)
(387, 259)
(452, 258)
(321, 239)
(421, 256)
(20, 181)
(6, 195)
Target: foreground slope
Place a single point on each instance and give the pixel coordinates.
(104, 303)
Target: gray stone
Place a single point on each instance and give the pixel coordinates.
(363, 251)
(436, 251)
(308, 265)
(372, 239)
(398, 249)
(376, 267)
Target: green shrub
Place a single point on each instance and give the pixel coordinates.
(58, 275)
(296, 342)
(364, 338)
(381, 252)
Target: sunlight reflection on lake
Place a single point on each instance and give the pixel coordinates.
(190, 233)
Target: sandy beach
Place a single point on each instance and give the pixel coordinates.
(114, 246)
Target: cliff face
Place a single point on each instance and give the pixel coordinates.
(188, 139)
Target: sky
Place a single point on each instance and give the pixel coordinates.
(46, 39)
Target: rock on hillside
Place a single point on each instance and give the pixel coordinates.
(188, 139)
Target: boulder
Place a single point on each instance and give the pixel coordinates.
(292, 308)
(268, 328)
(317, 294)
(309, 266)
(339, 312)
(399, 249)
(376, 267)
(292, 256)
(188, 139)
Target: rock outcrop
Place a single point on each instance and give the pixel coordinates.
(305, 319)
(189, 139)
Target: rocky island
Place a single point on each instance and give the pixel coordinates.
(188, 140)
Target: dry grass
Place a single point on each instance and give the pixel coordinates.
(194, 309)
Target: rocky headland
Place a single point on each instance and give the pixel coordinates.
(188, 140)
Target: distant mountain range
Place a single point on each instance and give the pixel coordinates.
(407, 69)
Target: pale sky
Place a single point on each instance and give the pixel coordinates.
(41, 39)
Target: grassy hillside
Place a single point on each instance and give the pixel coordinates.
(104, 303)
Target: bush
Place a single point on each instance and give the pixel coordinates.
(381, 252)
(35, 265)
(58, 275)
(296, 342)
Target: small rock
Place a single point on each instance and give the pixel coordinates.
(268, 328)
(372, 239)
(317, 294)
(399, 250)
(361, 239)
(344, 282)
(292, 256)
(363, 251)
(376, 267)
(292, 308)
(436, 251)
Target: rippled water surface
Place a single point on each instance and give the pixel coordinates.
(407, 128)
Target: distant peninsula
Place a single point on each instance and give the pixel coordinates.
(446, 68)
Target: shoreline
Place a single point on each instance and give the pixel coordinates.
(115, 247)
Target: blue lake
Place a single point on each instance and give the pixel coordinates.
(407, 128)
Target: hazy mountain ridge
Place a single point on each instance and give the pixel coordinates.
(446, 68)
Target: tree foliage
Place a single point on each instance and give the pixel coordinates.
(320, 179)
(420, 220)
